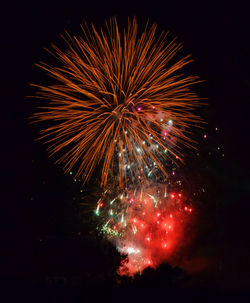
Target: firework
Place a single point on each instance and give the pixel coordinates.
(146, 225)
(118, 100)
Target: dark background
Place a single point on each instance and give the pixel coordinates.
(47, 246)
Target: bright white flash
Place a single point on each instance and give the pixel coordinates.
(132, 250)
(129, 250)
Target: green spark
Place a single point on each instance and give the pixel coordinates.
(97, 210)
(111, 202)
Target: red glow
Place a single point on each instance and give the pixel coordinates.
(152, 231)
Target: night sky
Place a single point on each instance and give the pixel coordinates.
(47, 242)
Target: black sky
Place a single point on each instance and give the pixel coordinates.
(43, 235)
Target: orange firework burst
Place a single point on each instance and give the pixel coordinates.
(114, 94)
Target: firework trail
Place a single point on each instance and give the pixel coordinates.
(113, 94)
(120, 102)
